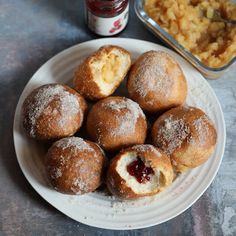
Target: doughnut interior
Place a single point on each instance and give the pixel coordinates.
(109, 69)
(150, 186)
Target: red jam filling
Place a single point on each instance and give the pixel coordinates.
(141, 172)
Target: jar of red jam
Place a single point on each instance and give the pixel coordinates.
(107, 17)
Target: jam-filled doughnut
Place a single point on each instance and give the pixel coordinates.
(116, 122)
(102, 72)
(187, 135)
(53, 111)
(74, 165)
(156, 82)
(141, 170)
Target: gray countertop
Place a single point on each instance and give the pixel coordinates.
(33, 31)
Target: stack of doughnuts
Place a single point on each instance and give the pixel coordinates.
(182, 137)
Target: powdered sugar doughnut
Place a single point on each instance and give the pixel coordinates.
(156, 82)
(187, 135)
(140, 170)
(102, 72)
(74, 165)
(53, 111)
(116, 122)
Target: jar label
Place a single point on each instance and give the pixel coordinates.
(110, 25)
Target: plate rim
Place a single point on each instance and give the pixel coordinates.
(68, 50)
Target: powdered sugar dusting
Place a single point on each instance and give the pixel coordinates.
(127, 120)
(151, 75)
(75, 163)
(125, 103)
(117, 105)
(79, 186)
(202, 129)
(172, 134)
(78, 144)
(56, 173)
(68, 104)
(146, 148)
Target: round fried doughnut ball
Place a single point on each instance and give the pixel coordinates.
(187, 135)
(74, 165)
(53, 111)
(116, 122)
(156, 82)
(138, 171)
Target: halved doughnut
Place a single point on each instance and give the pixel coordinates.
(102, 72)
(141, 170)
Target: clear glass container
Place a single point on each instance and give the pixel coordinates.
(208, 72)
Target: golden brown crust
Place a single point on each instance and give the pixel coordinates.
(158, 160)
(187, 135)
(53, 111)
(84, 81)
(75, 166)
(116, 128)
(156, 82)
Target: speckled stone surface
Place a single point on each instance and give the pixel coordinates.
(31, 32)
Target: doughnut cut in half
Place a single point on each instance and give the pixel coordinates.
(138, 171)
(102, 72)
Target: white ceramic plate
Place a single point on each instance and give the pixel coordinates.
(99, 210)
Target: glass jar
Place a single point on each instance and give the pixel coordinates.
(107, 17)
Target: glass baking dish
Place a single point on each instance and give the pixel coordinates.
(208, 72)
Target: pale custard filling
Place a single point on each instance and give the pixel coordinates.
(109, 70)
